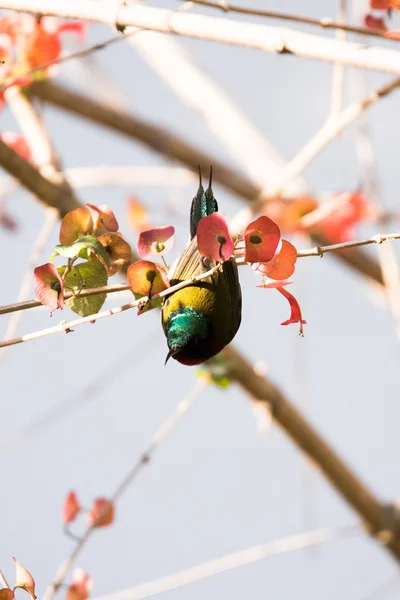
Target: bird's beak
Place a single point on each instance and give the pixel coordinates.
(172, 352)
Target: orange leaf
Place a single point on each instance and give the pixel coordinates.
(137, 215)
(6, 594)
(102, 513)
(24, 579)
(118, 250)
(146, 278)
(75, 224)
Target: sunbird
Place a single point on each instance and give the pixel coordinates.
(201, 319)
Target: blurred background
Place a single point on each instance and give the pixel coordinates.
(218, 484)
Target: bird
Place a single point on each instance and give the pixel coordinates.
(201, 319)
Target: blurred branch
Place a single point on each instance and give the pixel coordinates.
(117, 176)
(3, 580)
(380, 520)
(333, 126)
(122, 287)
(245, 143)
(43, 153)
(270, 39)
(27, 279)
(173, 147)
(325, 23)
(158, 139)
(51, 194)
(231, 561)
(159, 437)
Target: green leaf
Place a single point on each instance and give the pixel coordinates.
(84, 276)
(217, 370)
(83, 248)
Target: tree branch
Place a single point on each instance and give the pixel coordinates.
(123, 287)
(161, 434)
(231, 561)
(324, 23)
(270, 39)
(163, 141)
(50, 194)
(380, 519)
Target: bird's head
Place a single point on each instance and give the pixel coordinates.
(188, 332)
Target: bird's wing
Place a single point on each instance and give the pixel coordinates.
(190, 263)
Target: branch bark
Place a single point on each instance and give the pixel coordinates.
(277, 40)
(50, 194)
(170, 145)
(380, 519)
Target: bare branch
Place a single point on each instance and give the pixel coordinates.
(159, 437)
(380, 519)
(270, 39)
(52, 195)
(122, 287)
(232, 561)
(67, 326)
(325, 23)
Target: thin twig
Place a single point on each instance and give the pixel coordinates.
(67, 326)
(331, 129)
(271, 39)
(3, 580)
(376, 239)
(160, 436)
(40, 243)
(325, 23)
(231, 562)
(108, 289)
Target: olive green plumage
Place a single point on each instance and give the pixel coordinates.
(201, 319)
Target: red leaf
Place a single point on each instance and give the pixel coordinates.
(17, 143)
(261, 239)
(213, 238)
(24, 579)
(103, 219)
(49, 286)
(80, 587)
(78, 27)
(6, 594)
(373, 22)
(282, 265)
(71, 508)
(146, 278)
(102, 513)
(76, 224)
(156, 241)
(295, 314)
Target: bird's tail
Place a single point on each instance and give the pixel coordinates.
(203, 204)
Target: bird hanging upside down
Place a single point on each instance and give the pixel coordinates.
(201, 319)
